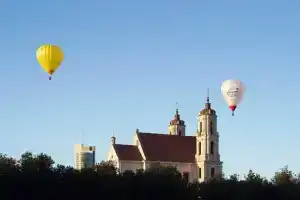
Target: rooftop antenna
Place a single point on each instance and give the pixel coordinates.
(177, 107)
(81, 137)
(207, 97)
(207, 104)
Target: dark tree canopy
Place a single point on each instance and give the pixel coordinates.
(37, 177)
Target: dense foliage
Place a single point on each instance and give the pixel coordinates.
(36, 177)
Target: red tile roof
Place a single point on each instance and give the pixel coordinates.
(172, 148)
(176, 119)
(127, 152)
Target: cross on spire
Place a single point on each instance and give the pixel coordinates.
(177, 117)
(207, 104)
(207, 97)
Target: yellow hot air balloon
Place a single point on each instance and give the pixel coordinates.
(50, 57)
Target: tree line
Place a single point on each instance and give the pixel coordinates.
(37, 177)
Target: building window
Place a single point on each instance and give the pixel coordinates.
(186, 176)
(200, 127)
(211, 127)
(212, 172)
(179, 133)
(212, 148)
(200, 148)
(200, 172)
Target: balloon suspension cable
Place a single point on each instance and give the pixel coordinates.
(50, 78)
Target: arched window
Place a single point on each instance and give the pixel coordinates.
(200, 172)
(212, 144)
(200, 127)
(212, 172)
(211, 128)
(200, 147)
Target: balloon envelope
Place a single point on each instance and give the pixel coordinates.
(233, 92)
(50, 57)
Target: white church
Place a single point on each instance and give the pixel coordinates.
(196, 157)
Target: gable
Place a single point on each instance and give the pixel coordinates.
(112, 155)
(136, 142)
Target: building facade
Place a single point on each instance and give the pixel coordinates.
(84, 156)
(196, 157)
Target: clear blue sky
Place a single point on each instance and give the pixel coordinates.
(128, 62)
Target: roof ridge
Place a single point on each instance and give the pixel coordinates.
(152, 133)
(125, 144)
(144, 133)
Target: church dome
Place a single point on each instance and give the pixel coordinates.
(207, 109)
(176, 120)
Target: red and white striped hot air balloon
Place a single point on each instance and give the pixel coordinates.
(233, 93)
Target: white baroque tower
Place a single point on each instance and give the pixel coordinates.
(207, 142)
(177, 126)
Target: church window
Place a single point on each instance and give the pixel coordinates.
(200, 172)
(200, 127)
(200, 147)
(212, 172)
(212, 148)
(211, 127)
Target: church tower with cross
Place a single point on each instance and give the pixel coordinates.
(207, 144)
(176, 126)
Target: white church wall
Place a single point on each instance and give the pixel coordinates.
(112, 156)
(130, 165)
(137, 143)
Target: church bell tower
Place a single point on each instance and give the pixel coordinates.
(207, 143)
(177, 126)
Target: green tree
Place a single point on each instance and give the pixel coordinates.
(106, 168)
(255, 178)
(30, 162)
(167, 171)
(61, 169)
(7, 164)
(43, 161)
(234, 177)
(284, 176)
(297, 178)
